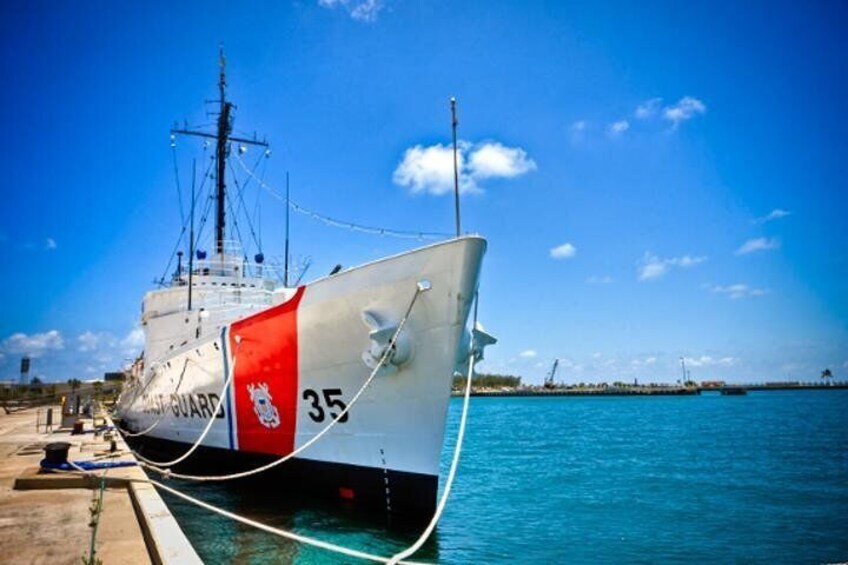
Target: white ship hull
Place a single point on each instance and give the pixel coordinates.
(297, 362)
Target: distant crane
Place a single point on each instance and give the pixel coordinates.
(549, 380)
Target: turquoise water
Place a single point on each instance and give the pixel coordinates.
(761, 478)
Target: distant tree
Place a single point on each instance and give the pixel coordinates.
(74, 384)
(826, 374)
(98, 389)
(488, 381)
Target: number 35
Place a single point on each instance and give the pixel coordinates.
(317, 413)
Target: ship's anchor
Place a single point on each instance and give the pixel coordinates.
(480, 339)
(381, 334)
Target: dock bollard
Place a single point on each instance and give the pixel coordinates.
(57, 452)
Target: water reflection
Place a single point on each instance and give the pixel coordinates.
(220, 540)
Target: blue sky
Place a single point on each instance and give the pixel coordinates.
(656, 180)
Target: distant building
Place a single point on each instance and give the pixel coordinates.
(118, 376)
(712, 384)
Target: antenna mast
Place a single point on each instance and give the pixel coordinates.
(191, 232)
(225, 126)
(455, 166)
(286, 272)
(222, 139)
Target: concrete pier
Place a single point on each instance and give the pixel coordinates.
(45, 517)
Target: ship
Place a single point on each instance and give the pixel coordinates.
(241, 370)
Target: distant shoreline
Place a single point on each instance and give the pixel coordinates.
(655, 390)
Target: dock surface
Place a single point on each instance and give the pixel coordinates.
(45, 517)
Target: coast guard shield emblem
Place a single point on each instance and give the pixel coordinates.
(262, 407)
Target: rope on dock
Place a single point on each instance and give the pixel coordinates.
(343, 414)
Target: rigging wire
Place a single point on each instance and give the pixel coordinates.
(327, 220)
(161, 281)
(235, 224)
(242, 205)
(177, 179)
(209, 199)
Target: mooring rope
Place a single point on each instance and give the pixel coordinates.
(272, 530)
(158, 465)
(383, 359)
(164, 412)
(79, 471)
(396, 558)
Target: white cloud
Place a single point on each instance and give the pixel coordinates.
(758, 244)
(50, 244)
(685, 109)
(615, 129)
(133, 342)
(738, 290)
(578, 131)
(88, 341)
(564, 251)
(430, 169)
(707, 361)
(775, 214)
(528, 354)
(606, 279)
(493, 160)
(362, 10)
(653, 267)
(648, 108)
(33, 345)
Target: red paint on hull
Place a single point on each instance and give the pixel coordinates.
(265, 382)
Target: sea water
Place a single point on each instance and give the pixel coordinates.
(761, 478)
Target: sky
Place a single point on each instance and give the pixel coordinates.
(656, 180)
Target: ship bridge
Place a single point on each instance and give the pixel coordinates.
(212, 292)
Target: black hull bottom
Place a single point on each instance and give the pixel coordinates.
(411, 496)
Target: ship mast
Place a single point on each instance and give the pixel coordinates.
(225, 127)
(223, 138)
